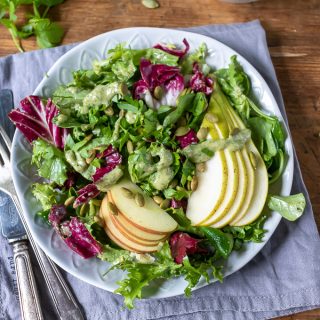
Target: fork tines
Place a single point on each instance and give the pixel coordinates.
(3, 152)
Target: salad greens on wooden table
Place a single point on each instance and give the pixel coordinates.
(156, 163)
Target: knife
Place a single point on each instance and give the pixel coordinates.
(64, 301)
(13, 230)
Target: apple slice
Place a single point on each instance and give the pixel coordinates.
(126, 227)
(122, 241)
(131, 236)
(150, 217)
(129, 228)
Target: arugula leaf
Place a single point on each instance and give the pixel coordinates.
(290, 207)
(50, 161)
(150, 122)
(184, 102)
(176, 194)
(222, 241)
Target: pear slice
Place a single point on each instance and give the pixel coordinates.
(231, 191)
(215, 196)
(212, 186)
(239, 199)
(261, 182)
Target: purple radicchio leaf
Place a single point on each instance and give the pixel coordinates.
(176, 204)
(34, 120)
(183, 244)
(57, 214)
(175, 52)
(189, 138)
(199, 82)
(78, 238)
(85, 194)
(71, 180)
(112, 159)
(158, 75)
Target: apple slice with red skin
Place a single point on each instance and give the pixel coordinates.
(150, 217)
(122, 241)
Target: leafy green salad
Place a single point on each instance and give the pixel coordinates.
(156, 163)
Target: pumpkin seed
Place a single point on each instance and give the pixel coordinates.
(165, 204)
(202, 133)
(113, 209)
(109, 111)
(157, 199)
(234, 132)
(150, 4)
(129, 146)
(127, 193)
(69, 201)
(139, 199)
(201, 167)
(83, 209)
(253, 160)
(173, 183)
(181, 131)
(211, 117)
(189, 185)
(158, 92)
(92, 155)
(194, 183)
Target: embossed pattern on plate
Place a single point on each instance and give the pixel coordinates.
(91, 270)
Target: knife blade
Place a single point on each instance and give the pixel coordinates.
(11, 225)
(13, 229)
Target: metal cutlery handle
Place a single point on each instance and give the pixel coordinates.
(28, 294)
(62, 297)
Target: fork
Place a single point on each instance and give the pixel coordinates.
(65, 304)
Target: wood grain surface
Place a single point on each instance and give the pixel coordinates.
(293, 33)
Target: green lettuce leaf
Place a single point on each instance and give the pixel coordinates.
(45, 194)
(50, 161)
(290, 207)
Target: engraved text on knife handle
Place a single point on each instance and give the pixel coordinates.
(28, 294)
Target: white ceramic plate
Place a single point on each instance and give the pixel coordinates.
(81, 57)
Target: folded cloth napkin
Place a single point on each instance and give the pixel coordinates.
(282, 279)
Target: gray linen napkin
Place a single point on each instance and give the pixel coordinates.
(282, 279)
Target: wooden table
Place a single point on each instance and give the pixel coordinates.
(293, 32)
